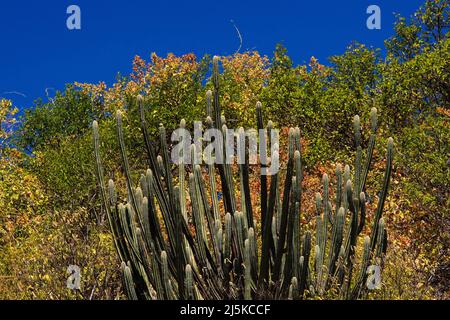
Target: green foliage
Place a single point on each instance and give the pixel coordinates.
(424, 190)
(68, 169)
(175, 90)
(414, 89)
(22, 197)
(38, 243)
(35, 267)
(425, 156)
(322, 99)
(68, 114)
(281, 96)
(425, 30)
(242, 81)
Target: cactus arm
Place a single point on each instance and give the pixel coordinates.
(166, 277)
(99, 168)
(201, 189)
(198, 221)
(381, 200)
(247, 274)
(209, 109)
(129, 283)
(336, 242)
(285, 208)
(374, 124)
(380, 238)
(324, 236)
(358, 287)
(166, 168)
(189, 283)
(362, 210)
(358, 159)
(125, 164)
(293, 212)
(253, 254)
(246, 185)
(179, 256)
(217, 111)
(304, 262)
(263, 155)
(338, 187)
(154, 167)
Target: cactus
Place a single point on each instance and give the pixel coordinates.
(171, 248)
(189, 283)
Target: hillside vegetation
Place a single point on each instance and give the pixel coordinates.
(52, 214)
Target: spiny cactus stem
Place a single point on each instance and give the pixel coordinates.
(285, 208)
(129, 283)
(381, 200)
(267, 239)
(263, 154)
(125, 163)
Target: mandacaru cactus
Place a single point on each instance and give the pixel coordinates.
(171, 250)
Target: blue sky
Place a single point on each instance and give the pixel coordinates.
(37, 51)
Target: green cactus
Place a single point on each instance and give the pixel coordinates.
(189, 283)
(336, 240)
(363, 268)
(172, 248)
(293, 289)
(247, 274)
(129, 283)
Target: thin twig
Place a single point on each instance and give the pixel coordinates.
(239, 35)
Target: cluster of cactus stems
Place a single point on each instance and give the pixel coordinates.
(173, 251)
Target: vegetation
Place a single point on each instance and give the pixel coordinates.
(54, 213)
(222, 257)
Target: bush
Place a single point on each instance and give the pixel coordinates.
(35, 266)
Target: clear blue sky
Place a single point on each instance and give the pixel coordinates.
(37, 51)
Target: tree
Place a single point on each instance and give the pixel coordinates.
(281, 95)
(172, 87)
(425, 30)
(68, 114)
(242, 80)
